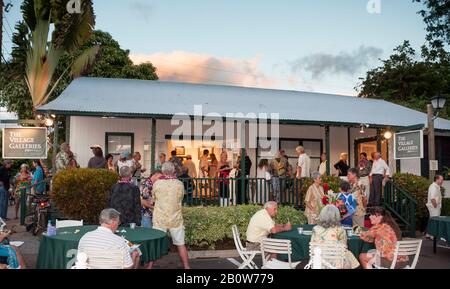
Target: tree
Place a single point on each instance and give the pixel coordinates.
(70, 32)
(437, 18)
(410, 79)
(111, 62)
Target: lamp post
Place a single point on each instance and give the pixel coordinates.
(433, 109)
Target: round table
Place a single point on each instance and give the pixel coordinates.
(60, 251)
(300, 243)
(439, 228)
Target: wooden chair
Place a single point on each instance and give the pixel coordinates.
(404, 248)
(247, 256)
(275, 246)
(68, 223)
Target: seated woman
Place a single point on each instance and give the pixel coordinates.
(385, 233)
(15, 259)
(348, 204)
(329, 229)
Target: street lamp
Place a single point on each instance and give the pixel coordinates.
(433, 110)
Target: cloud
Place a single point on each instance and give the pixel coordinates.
(182, 66)
(351, 63)
(143, 10)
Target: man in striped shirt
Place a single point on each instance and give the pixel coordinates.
(104, 239)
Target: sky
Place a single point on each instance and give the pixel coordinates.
(307, 45)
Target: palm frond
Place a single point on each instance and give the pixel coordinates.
(84, 61)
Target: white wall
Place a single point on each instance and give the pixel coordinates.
(87, 131)
(411, 166)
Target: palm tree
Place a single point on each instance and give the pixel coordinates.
(70, 32)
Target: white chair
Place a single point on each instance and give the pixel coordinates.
(408, 248)
(247, 256)
(275, 246)
(325, 255)
(104, 258)
(81, 263)
(68, 223)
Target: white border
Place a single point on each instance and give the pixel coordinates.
(23, 158)
(421, 145)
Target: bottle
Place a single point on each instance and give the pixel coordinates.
(49, 228)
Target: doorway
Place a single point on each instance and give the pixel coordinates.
(369, 146)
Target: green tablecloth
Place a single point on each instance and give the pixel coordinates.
(300, 243)
(59, 252)
(439, 227)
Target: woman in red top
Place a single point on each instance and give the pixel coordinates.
(385, 233)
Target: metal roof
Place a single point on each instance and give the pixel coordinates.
(142, 98)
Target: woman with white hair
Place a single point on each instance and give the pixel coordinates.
(23, 180)
(313, 199)
(329, 229)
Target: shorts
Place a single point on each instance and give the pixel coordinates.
(177, 234)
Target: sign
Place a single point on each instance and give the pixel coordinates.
(24, 143)
(434, 166)
(408, 145)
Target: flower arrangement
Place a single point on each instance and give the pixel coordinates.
(331, 198)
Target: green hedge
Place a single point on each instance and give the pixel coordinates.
(81, 194)
(207, 226)
(445, 207)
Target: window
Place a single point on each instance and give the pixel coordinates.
(117, 143)
(313, 148)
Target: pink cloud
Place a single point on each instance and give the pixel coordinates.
(182, 66)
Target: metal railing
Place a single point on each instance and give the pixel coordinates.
(402, 205)
(230, 192)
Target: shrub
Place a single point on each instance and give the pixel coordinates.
(445, 207)
(417, 186)
(206, 226)
(81, 194)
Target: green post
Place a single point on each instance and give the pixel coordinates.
(23, 206)
(153, 146)
(55, 145)
(328, 149)
(379, 144)
(243, 168)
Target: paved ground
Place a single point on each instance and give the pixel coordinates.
(30, 249)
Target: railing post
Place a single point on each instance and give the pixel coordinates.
(23, 205)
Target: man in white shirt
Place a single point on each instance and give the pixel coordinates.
(304, 163)
(125, 161)
(380, 172)
(104, 239)
(262, 224)
(434, 203)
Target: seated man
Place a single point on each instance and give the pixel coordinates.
(262, 224)
(104, 238)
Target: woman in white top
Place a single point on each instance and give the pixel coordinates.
(323, 165)
(263, 185)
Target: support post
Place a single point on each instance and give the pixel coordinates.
(55, 144)
(379, 144)
(243, 164)
(431, 141)
(153, 146)
(349, 148)
(328, 149)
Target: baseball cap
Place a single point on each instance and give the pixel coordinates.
(96, 146)
(124, 155)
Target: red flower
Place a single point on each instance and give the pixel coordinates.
(326, 187)
(325, 200)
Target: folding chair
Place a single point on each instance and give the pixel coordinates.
(247, 256)
(275, 246)
(68, 223)
(325, 255)
(403, 248)
(104, 258)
